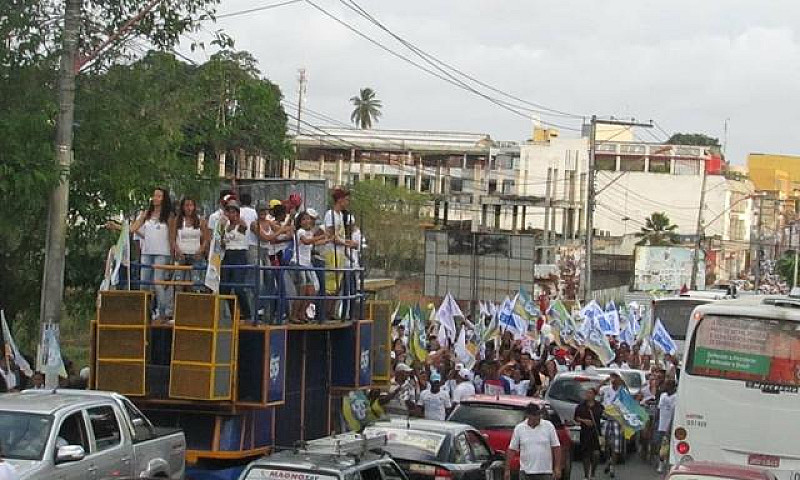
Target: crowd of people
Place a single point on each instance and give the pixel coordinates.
(509, 366)
(14, 379)
(322, 255)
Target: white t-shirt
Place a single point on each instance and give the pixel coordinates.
(666, 407)
(609, 394)
(8, 472)
(235, 240)
(535, 446)
(303, 250)
(435, 404)
(156, 236)
(248, 216)
(335, 220)
(462, 391)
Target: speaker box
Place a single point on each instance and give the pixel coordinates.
(261, 366)
(381, 316)
(203, 347)
(351, 359)
(121, 342)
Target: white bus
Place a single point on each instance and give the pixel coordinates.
(739, 392)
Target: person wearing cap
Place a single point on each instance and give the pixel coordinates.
(402, 390)
(234, 242)
(464, 387)
(225, 196)
(536, 442)
(435, 402)
(609, 391)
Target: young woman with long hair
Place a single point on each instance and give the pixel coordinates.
(153, 227)
(188, 238)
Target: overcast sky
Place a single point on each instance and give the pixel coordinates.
(688, 65)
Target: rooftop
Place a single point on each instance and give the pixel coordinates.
(420, 141)
(507, 400)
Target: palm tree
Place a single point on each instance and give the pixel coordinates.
(368, 109)
(658, 231)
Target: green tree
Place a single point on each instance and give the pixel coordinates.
(785, 268)
(390, 217)
(698, 139)
(367, 109)
(658, 231)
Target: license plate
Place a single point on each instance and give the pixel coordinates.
(769, 461)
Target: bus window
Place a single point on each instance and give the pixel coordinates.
(674, 313)
(749, 349)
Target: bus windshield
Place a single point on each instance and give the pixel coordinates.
(744, 348)
(674, 313)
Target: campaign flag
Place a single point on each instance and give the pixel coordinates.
(593, 314)
(446, 315)
(645, 328)
(11, 351)
(627, 411)
(611, 319)
(122, 252)
(634, 316)
(526, 309)
(462, 352)
(215, 254)
(597, 342)
(356, 411)
(626, 331)
(662, 339)
(509, 320)
(418, 335)
(50, 361)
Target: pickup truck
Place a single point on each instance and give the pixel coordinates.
(85, 435)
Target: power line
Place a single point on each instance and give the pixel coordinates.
(351, 4)
(445, 78)
(257, 9)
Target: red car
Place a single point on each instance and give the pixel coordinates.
(497, 415)
(722, 471)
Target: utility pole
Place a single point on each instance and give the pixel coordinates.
(301, 91)
(591, 195)
(698, 232)
(55, 240)
(758, 243)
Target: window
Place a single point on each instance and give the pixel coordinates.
(659, 164)
(605, 162)
(372, 473)
(456, 184)
(631, 164)
(488, 417)
(508, 187)
(632, 149)
(73, 432)
(105, 427)
(24, 436)
(492, 186)
(480, 452)
(461, 453)
(570, 389)
(391, 472)
(743, 348)
(142, 430)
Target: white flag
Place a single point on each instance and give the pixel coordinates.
(11, 349)
(662, 339)
(460, 349)
(446, 314)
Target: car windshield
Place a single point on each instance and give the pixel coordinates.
(23, 436)
(427, 443)
(632, 378)
(487, 417)
(571, 389)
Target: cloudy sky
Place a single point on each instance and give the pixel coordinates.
(688, 65)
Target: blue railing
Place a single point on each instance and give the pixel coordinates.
(270, 292)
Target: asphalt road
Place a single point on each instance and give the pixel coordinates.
(634, 469)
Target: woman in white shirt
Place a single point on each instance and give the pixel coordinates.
(236, 249)
(189, 240)
(305, 280)
(152, 227)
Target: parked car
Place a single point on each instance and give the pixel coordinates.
(85, 435)
(340, 457)
(496, 416)
(722, 471)
(434, 450)
(634, 379)
(567, 391)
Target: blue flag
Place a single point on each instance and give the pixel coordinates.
(662, 339)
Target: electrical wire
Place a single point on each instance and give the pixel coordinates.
(256, 9)
(445, 78)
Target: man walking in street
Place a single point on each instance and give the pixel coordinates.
(613, 431)
(536, 442)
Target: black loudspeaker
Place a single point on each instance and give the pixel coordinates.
(121, 342)
(381, 316)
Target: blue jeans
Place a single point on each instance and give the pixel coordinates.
(235, 276)
(196, 274)
(163, 293)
